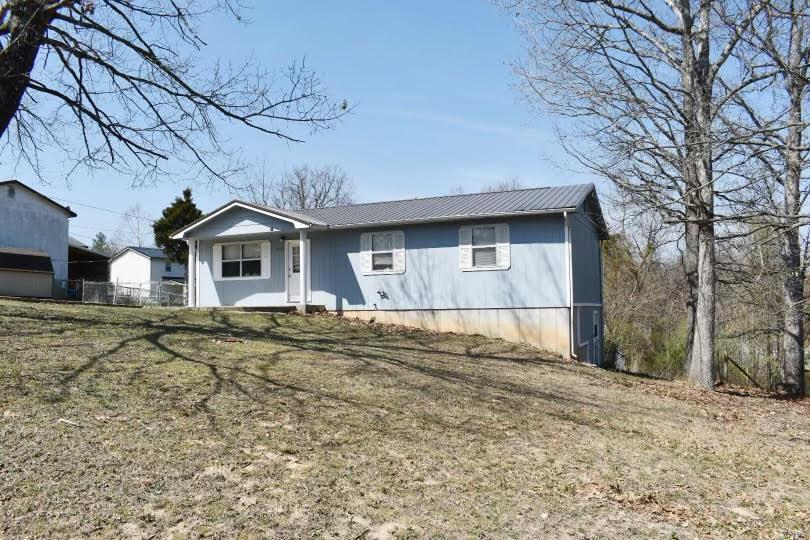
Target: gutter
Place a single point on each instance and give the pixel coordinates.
(449, 219)
(569, 279)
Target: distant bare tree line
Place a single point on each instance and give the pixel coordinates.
(303, 186)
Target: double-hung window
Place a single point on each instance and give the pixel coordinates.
(241, 260)
(245, 260)
(383, 252)
(484, 247)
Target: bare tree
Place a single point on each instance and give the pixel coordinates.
(301, 187)
(135, 228)
(119, 84)
(506, 184)
(640, 84)
(771, 125)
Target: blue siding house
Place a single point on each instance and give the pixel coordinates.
(523, 265)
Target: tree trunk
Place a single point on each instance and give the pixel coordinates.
(793, 284)
(27, 23)
(701, 367)
(690, 268)
(699, 137)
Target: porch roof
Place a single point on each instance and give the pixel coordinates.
(298, 220)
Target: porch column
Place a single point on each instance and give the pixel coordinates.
(304, 267)
(191, 270)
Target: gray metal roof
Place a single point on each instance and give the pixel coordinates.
(446, 208)
(153, 253)
(536, 200)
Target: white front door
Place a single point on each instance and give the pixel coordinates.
(293, 258)
(293, 271)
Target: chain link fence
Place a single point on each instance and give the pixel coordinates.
(152, 293)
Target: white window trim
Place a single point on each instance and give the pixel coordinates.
(494, 268)
(242, 278)
(393, 251)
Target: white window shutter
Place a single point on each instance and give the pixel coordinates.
(399, 251)
(266, 251)
(217, 262)
(365, 253)
(465, 259)
(502, 253)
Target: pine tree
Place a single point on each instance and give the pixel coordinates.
(101, 244)
(176, 216)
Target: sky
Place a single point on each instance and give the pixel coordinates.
(435, 106)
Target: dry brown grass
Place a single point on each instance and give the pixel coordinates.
(136, 422)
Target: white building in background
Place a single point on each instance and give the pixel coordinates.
(141, 265)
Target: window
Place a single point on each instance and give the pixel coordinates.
(241, 260)
(484, 247)
(383, 252)
(168, 267)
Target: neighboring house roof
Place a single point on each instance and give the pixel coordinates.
(446, 208)
(152, 253)
(76, 243)
(79, 253)
(27, 260)
(67, 209)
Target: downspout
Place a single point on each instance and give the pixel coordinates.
(569, 279)
(196, 273)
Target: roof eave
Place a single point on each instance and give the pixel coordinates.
(463, 217)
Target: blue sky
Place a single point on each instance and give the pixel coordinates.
(435, 105)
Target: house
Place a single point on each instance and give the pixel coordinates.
(523, 265)
(33, 242)
(138, 265)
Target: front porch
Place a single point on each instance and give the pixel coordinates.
(247, 254)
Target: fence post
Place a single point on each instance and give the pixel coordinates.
(115, 291)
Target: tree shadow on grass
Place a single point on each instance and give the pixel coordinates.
(433, 366)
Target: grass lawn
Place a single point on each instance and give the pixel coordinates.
(138, 422)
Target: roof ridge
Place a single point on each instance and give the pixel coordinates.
(443, 196)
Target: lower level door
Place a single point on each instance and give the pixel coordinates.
(293, 263)
(596, 348)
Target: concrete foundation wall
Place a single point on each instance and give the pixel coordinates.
(546, 328)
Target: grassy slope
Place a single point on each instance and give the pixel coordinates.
(314, 426)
